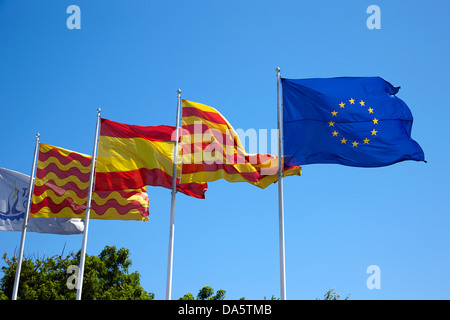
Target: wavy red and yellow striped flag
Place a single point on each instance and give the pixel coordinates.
(61, 190)
(212, 150)
(131, 156)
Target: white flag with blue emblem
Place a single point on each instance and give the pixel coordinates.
(13, 204)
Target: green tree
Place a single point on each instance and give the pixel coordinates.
(330, 295)
(205, 293)
(106, 277)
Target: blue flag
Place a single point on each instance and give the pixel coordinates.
(13, 202)
(350, 121)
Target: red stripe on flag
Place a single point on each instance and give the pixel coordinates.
(57, 207)
(119, 130)
(60, 191)
(122, 210)
(142, 177)
(214, 167)
(64, 160)
(210, 116)
(62, 174)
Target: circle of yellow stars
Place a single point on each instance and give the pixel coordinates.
(341, 105)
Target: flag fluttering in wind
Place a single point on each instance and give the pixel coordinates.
(349, 121)
(61, 190)
(131, 156)
(13, 202)
(212, 150)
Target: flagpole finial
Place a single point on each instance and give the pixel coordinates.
(99, 110)
(278, 69)
(179, 91)
(37, 135)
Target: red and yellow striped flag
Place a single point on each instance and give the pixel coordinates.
(131, 156)
(212, 150)
(61, 190)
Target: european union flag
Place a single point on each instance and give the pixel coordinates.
(350, 121)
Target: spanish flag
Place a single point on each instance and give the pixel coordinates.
(61, 190)
(212, 150)
(131, 157)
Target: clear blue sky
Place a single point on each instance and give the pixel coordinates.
(130, 57)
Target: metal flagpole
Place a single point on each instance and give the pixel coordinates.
(280, 189)
(172, 203)
(25, 221)
(88, 209)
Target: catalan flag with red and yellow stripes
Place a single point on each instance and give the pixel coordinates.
(212, 150)
(61, 190)
(131, 156)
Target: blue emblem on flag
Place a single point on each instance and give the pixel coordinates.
(13, 195)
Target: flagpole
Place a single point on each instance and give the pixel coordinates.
(88, 210)
(172, 204)
(25, 221)
(280, 189)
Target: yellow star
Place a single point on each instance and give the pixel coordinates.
(352, 101)
(334, 113)
(362, 103)
(355, 144)
(331, 124)
(366, 141)
(375, 121)
(342, 104)
(374, 132)
(343, 141)
(370, 110)
(335, 133)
